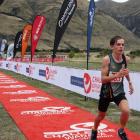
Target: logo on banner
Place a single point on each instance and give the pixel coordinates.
(87, 83)
(81, 131)
(77, 81)
(17, 67)
(39, 26)
(50, 73)
(96, 84)
(31, 99)
(49, 111)
(91, 14)
(21, 92)
(47, 73)
(67, 13)
(30, 70)
(1, 64)
(26, 35)
(9, 65)
(13, 86)
(35, 37)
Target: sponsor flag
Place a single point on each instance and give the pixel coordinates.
(66, 13)
(25, 38)
(91, 13)
(1, 1)
(10, 51)
(17, 43)
(38, 26)
(0, 42)
(3, 48)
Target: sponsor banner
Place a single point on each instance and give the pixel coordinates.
(66, 12)
(3, 47)
(10, 52)
(43, 117)
(84, 82)
(1, 1)
(25, 38)
(91, 13)
(38, 26)
(17, 67)
(18, 42)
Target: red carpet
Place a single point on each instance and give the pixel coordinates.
(43, 117)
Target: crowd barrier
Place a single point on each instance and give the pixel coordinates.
(84, 82)
(57, 59)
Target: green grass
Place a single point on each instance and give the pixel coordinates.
(9, 128)
(94, 64)
(79, 64)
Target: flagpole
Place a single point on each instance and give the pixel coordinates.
(91, 12)
(87, 60)
(86, 98)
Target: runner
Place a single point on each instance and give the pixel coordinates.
(114, 70)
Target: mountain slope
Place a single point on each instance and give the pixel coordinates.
(14, 17)
(127, 13)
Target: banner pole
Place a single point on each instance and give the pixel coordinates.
(91, 13)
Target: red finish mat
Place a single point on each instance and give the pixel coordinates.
(44, 117)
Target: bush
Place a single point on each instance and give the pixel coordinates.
(71, 54)
(135, 53)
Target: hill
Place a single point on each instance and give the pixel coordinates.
(15, 14)
(128, 13)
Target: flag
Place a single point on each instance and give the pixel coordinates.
(3, 47)
(10, 52)
(25, 38)
(17, 42)
(91, 13)
(38, 26)
(1, 1)
(0, 43)
(65, 15)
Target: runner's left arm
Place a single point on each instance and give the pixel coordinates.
(131, 89)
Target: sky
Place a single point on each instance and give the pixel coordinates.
(119, 1)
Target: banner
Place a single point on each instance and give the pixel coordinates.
(40, 116)
(91, 13)
(81, 81)
(0, 42)
(10, 51)
(1, 1)
(17, 43)
(38, 26)
(66, 12)
(25, 38)
(3, 47)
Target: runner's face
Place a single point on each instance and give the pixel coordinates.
(118, 47)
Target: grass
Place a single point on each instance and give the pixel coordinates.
(95, 63)
(8, 127)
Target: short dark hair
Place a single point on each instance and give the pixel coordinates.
(114, 40)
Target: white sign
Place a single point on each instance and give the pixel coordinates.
(84, 82)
